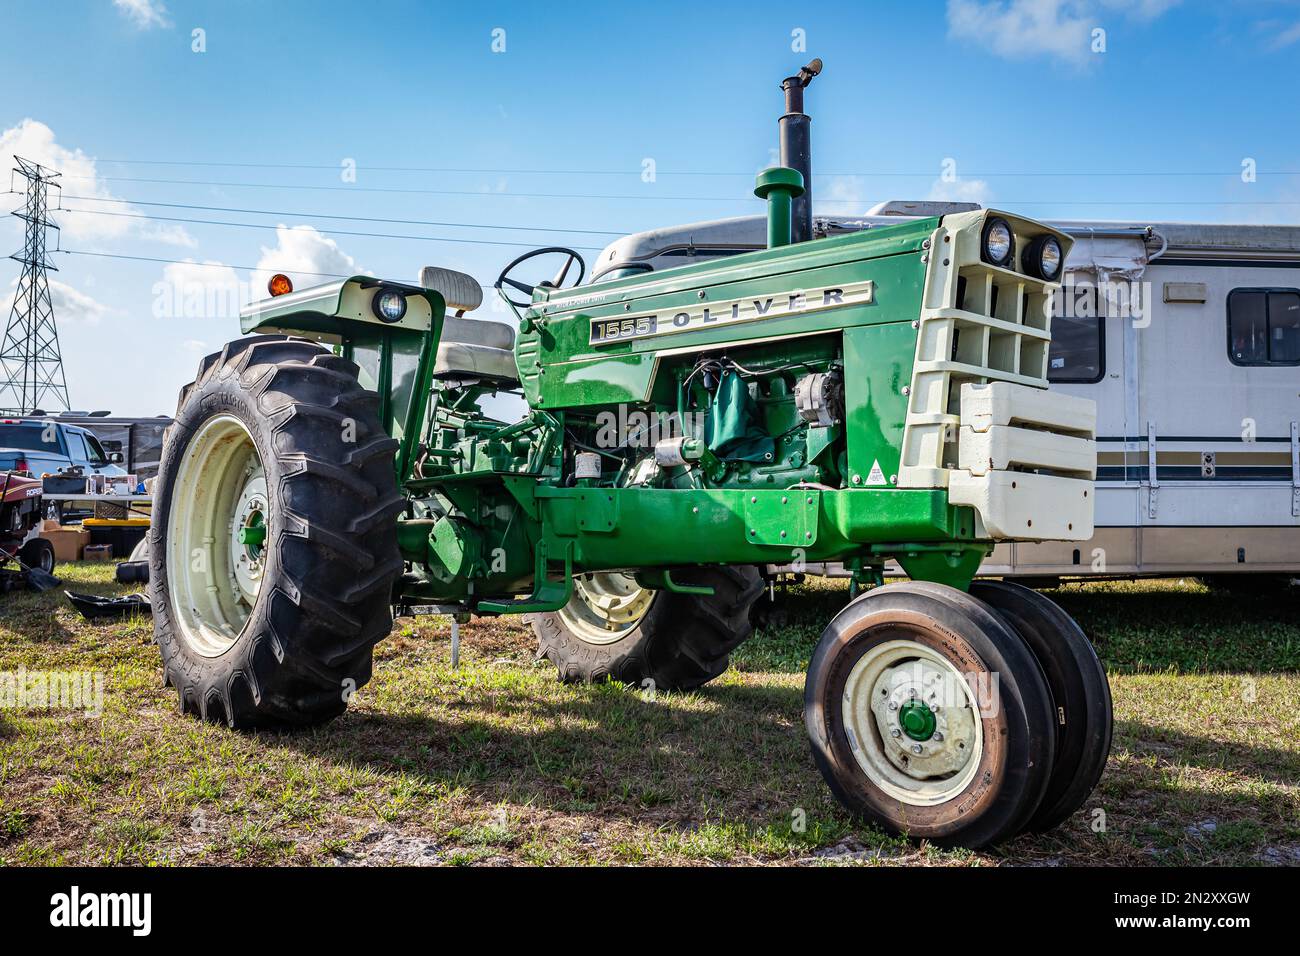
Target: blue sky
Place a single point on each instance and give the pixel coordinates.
(1149, 120)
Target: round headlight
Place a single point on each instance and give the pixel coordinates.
(389, 305)
(1043, 258)
(997, 243)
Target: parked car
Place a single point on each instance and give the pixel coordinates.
(139, 440)
(42, 446)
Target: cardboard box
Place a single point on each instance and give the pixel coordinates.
(97, 552)
(68, 542)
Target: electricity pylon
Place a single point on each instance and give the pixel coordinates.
(31, 366)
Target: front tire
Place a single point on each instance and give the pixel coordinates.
(1080, 692)
(614, 629)
(273, 549)
(929, 716)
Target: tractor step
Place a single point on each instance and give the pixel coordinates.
(547, 595)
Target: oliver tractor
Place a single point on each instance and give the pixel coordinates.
(874, 397)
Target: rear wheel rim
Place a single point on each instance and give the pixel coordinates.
(606, 606)
(45, 559)
(214, 566)
(912, 723)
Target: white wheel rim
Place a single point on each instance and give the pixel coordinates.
(213, 577)
(606, 606)
(898, 674)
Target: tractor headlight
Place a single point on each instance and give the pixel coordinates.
(389, 305)
(1043, 258)
(997, 244)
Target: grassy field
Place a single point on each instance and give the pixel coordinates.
(498, 763)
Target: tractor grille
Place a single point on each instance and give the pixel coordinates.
(978, 324)
(980, 420)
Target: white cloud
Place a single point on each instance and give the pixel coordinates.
(1023, 28)
(960, 190)
(69, 304)
(1286, 37)
(199, 290)
(1062, 29)
(1141, 9)
(107, 217)
(206, 273)
(840, 196)
(306, 256)
(145, 14)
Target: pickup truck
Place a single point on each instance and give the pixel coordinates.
(41, 446)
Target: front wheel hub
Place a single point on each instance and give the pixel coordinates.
(917, 720)
(912, 722)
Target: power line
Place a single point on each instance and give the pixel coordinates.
(190, 262)
(660, 198)
(328, 232)
(210, 265)
(321, 215)
(653, 197)
(681, 172)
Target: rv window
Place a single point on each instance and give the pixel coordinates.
(1078, 349)
(1264, 326)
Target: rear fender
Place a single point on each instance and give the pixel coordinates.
(396, 358)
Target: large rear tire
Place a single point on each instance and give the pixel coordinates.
(614, 629)
(273, 549)
(929, 716)
(1079, 689)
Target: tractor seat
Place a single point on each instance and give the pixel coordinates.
(470, 349)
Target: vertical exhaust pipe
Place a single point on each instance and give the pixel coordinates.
(796, 148)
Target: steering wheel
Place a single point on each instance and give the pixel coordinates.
(557, 282)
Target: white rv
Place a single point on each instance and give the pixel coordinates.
(1188, 337)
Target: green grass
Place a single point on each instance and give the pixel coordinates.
(499, 763)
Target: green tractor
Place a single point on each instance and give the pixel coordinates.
(866, 398)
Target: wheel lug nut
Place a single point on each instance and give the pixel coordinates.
(917, 748)
(893, 705)
(938, 736)
(895, 732)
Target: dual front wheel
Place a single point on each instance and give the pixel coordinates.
(958, 718)
(961, 718)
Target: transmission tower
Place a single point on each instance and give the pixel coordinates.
(31, 366)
